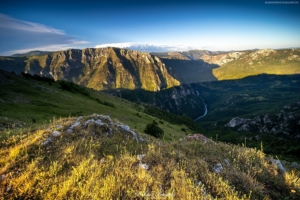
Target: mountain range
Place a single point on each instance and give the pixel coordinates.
(110, 68)
(186, 130)
(130, 74)
(101, 68)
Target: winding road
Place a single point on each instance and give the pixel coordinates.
(203, 114)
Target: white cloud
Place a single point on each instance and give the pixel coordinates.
(7, 22)
(54, 47)
(18, 36)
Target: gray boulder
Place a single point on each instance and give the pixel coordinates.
(278, 164)
(218, 168)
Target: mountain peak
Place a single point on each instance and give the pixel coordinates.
(31, 53)
(102, 68)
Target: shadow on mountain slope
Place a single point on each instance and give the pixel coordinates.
(190, 71)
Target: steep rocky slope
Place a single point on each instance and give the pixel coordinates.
(231, 65)
(101, 68)
(180, 100)
(188, 66)
(190, 71)
(237, 65)
(110, 68)
(287, 122)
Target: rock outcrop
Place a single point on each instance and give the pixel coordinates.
(98, 68)
(286, 122)
(103, 122)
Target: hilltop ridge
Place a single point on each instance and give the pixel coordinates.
(95, 157)
(101, 68)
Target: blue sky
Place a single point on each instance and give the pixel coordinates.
(151, 25)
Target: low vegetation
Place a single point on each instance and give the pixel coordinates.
(97, 160)
(154, 130)
(89, 164)
(27, 103)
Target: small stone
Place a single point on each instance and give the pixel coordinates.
(88, 122)
(218, 168)
(141, 139)
(134, 135)
(109, 133)
(107, 119)
(99, 122)
(196, 183)
(78, 119)
(143, 166)
(279, 165)
(56, 133)
(226, 162)
(124, 127)
(8, 189)
(295, 165)
(48, 140)
(70, 129)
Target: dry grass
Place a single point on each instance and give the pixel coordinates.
(89, 165)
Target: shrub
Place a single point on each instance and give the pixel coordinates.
(72, 87)
(106, 103)
(154, 130)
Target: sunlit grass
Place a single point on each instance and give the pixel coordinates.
(89, 165)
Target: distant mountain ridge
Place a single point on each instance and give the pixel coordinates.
(112, 68)
(31, 53)
(186, 55)
(101, 68)
(240, 64)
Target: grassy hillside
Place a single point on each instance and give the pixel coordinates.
(101, 160)
(26, 103)
(47, 151)
(262, 61)
(263, 95)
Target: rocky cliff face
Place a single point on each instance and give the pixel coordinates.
(239, 64)
(286, 122)
(102, 68)
(180, 100)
